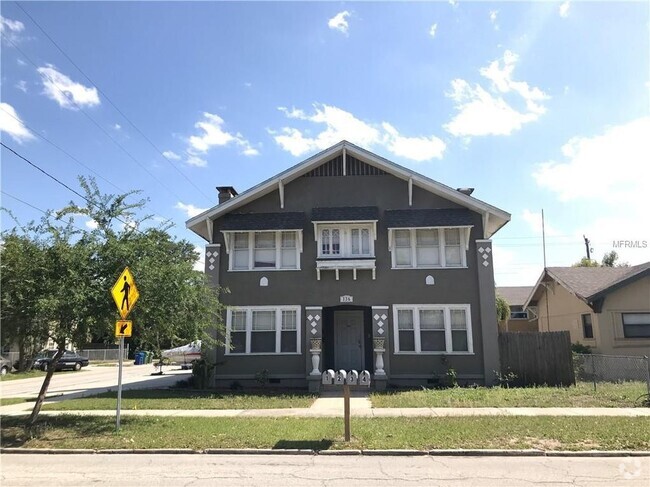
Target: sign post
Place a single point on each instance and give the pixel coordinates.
(125, 294)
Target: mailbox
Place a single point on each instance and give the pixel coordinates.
(339, 379)
(328, 377)
(364, 378)
(352, 378)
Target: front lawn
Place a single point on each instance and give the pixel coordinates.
(8, 401)
(22, 375)
(181, 399)
(543, 432)
(581, 395)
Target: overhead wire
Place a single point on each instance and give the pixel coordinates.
(142, 134)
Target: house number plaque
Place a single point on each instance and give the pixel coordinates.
(347, 299)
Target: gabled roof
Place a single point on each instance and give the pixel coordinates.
(590, 284)
(494, 218)
(514, 295)
(264, 221)
(429, 217)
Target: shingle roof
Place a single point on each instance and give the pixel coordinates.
(587, 282)
(515, 295)
(441, 217)
(345, 213)
(264, 221)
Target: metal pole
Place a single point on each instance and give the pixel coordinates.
(593, 371)
(119, 385)
(346, 410)
(647, 362)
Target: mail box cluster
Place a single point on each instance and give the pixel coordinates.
(351, 378)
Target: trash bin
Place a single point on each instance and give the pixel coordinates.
(139, 358)
(147, 357)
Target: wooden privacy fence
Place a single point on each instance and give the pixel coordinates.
(537, 358)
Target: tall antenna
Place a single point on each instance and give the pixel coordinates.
(543, 239)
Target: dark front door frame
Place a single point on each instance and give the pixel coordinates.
(329, 336)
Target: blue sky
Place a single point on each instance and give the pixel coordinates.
(536, 105)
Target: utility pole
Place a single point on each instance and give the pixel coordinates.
(587, 242)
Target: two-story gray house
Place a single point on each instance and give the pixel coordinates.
(350, 261)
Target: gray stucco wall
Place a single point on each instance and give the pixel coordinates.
(404, 286)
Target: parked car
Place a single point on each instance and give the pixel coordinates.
(69, 360)
(5, 366)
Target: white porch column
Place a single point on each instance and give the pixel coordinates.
(314, 332)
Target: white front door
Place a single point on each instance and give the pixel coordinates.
(348, 340)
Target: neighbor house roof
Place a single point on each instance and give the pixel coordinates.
(443, 217)
(345, 213)
(590, 284)
(493, 217)
(264, 221)
(515, 295)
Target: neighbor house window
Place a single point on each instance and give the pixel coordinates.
(263, 330)
(433, 329)
(636, 325)
(263, 250)
(428, 247)
(587, 327)
(346, 241)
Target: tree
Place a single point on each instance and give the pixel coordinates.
(584, 262)
(610, 260)
(79, 267)
(503, 309)
(22, 266)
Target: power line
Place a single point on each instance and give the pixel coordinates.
(34, 207)
(67, 95)
(111, 102)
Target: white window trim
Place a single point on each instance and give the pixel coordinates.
(229, 240)
(249, 328)
(446, 308)
(464, 247)
(345, 238)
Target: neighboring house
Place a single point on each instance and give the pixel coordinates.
(521, 319)
(606, 308)
(350, 261)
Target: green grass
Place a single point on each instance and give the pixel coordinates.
(581, 395)
(181, 399)
(7, 401)
(544, 432)
(22, 375)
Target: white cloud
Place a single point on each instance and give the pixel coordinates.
(340, 124)
(11, 28)
(67, 93)
(189, 209)
(117, 126)
(514, 268)
(612, 166)
(483, 112)
(213, 135)
(248, 84)
(339, 22)
(22, 86)
(91, 224)
(171, 155)
(12, 125)
(196, 161)
(20, 62)
(199, 265)
(564, 9)
(534, 221)
(433, 29)
(453, 3)
(493, 18)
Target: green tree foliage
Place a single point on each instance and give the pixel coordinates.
(610, 259)
(584, 262)
(77, 268)
(503, 309)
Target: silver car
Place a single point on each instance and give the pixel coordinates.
(5, 366)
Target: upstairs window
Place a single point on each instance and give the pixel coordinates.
(264, 250)
(346, 241)
(428, 247)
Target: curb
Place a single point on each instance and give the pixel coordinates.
(270, 451)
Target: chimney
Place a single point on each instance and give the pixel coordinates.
(467, 191)
(226, 193)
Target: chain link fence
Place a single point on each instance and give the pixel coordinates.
(104, 354)
(596, 368)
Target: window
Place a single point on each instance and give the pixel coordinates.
(346, 241)
(587, 328)
(264, 250)
(428, 247)
(433, 329)
(263, 330)
(636, 325)
(518, 313)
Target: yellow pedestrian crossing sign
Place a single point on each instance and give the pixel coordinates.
(125, 293)
(123, 328)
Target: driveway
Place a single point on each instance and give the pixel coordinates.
(94, 380)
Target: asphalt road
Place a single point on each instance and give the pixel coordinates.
(93, 380)
(299, 470)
